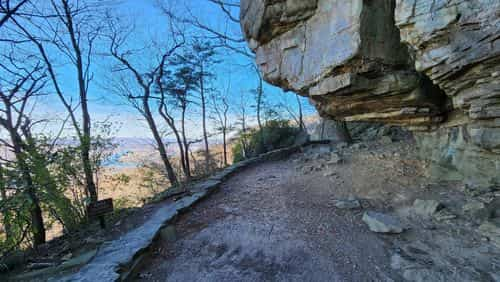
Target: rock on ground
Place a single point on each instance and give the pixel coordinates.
(348, 204)
(273, 223)
(382, 223)
(426, 208)
(491, 229)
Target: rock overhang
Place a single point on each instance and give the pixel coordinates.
(432, 66)
(348, 58)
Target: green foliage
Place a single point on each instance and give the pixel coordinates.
(56, 179)
(239, 153)
(15, 218)
(275, 134)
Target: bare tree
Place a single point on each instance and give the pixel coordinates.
(66, 15)
(258, 97)
(72, 30)
(15, 96)
(220, 105)
(146, 82)
(200, 56)
(179, 86)
(243, 123)
(168, 117)
(229, 37)
(296, 114)
(8, 9)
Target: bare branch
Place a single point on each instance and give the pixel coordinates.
(9, 12)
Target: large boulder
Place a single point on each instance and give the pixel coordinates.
(432, 66)
(345, 55)
(456, 44)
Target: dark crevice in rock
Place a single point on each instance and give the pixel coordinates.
(433, 95)
(380, 36)
(364, 88)
(431, 68)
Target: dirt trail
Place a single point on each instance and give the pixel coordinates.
(278, 222)
(271, 223)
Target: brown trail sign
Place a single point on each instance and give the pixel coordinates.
(99, 209)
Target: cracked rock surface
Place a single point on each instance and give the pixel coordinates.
(432, 66)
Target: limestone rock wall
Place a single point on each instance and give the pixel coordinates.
(456, 44)
(345, 55)
(432, 66)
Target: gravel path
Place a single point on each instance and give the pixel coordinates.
(270, 223)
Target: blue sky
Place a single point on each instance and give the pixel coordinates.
(150, 25)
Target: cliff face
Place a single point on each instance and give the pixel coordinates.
(432, 66)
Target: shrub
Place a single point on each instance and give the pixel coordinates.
(275, 134)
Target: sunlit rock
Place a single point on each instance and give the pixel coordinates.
(345, 55)
(431, 66)
(456, 44)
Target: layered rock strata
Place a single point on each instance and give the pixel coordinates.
(345, 55)
(457, 45)
(432, 66)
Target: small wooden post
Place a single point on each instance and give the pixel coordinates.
(99, 209)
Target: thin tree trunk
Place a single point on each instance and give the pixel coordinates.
(185, 169)
(37, 224)
(170, 122)
(186, 145)
(259, 123)
(184, 165)
(301, 116)
(224, 143)
(204, 120)
(38, 227)
(6, 212)
(224, 132)
(159, 142)
(85, 139)
(244, 131)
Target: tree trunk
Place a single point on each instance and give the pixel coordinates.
(185, 142)
(224, 143)
(185, 168)
(301, 116)
(171, 123)
(159, 142)
(6, 212)
(259, 123)
(244, 146)
(85, 139)
(37, 225)
(204, 122)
